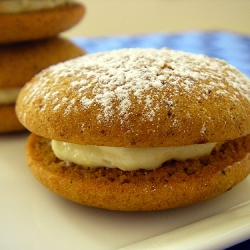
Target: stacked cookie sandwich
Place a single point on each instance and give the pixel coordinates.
(138, 129)
(29, 42)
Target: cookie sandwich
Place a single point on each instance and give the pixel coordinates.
(138, 129)
(25, 20)
(19, 63)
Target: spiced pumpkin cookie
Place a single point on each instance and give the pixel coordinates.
(138, 129)
(19, 63)
(32, 20)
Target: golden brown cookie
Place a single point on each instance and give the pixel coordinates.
(26, 26)
(175, 184)
(139, 98)
(8, 119)
(20, 62)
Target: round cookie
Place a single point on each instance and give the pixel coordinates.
(139, 98)
(20, 62)
(33, 25)
(175, 184)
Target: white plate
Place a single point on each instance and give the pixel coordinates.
(31, 217)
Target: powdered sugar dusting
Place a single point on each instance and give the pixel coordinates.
(114, 80)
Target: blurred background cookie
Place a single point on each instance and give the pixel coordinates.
(31, 20)
(19, 63)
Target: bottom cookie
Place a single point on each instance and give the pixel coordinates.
(175, 184)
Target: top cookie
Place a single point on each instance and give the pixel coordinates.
(138, 98)
(37, 24)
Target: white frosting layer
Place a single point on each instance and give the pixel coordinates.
(17, 6)
(8, 95)
(127, 158)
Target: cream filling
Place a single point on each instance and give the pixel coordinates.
(8, 95)
(127, 158)
(17, 6)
